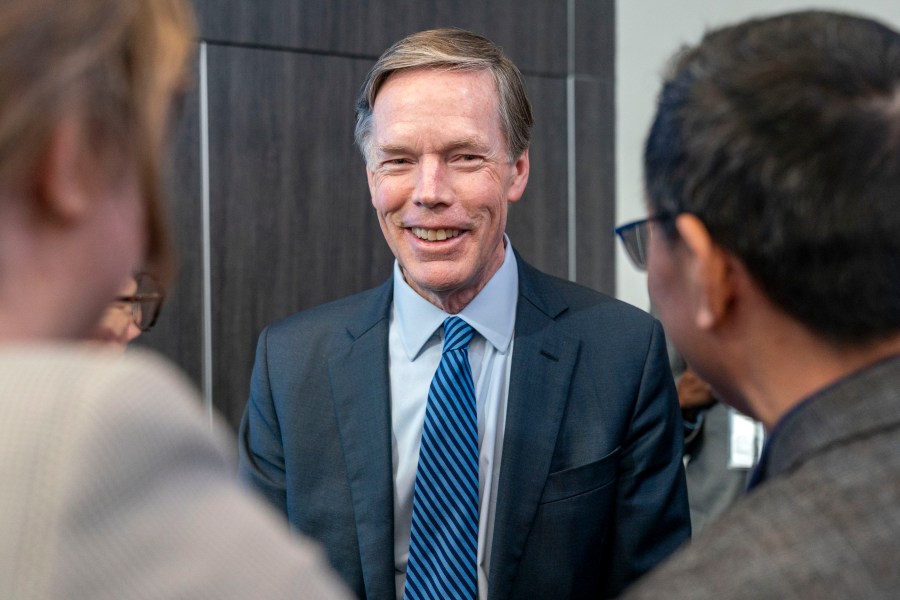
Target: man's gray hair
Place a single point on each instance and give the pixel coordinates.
(457, 50)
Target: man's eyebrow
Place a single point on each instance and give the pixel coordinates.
(392, 149)
(468, 143)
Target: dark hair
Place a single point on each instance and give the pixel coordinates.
(783, 136)
(458, 50)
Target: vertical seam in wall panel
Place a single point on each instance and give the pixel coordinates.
(570, 140)
(207, 278)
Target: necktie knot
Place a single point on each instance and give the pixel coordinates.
(457, 334)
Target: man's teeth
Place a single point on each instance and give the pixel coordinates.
(434, 235)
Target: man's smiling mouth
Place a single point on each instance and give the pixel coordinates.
(434, 235)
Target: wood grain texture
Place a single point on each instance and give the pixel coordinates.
(595, 39)
(537, 224)
(595, 183)
(532, 32)
(290, 213)
(179, 329)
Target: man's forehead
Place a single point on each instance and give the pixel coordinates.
(482, 77)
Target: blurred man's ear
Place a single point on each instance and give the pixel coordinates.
(709, 272)
(60, 189)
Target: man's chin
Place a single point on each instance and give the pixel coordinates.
(435, 286)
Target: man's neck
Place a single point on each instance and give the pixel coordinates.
(454, 301)
(792, 365)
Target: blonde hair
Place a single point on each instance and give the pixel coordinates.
(115, 65)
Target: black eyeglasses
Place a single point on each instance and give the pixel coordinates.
(635, 237)
(146, 301)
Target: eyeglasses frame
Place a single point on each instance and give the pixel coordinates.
(137, 299)
(642, 228)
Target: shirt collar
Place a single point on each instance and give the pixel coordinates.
(492, 313)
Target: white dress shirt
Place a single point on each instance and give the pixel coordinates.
(415, 344)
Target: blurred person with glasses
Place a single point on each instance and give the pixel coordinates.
(134, 311)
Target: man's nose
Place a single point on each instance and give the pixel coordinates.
(432, 181)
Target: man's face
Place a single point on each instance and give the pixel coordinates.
(667, 286)
(670, 296)
(441, 179)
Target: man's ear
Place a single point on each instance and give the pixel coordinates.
(521, 168)
(710, 270)
(62, 173)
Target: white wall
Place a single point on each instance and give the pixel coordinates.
(648, 32)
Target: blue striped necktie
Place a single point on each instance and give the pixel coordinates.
(443, 543)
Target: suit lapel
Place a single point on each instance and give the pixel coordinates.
(543, 361)
(361, 388)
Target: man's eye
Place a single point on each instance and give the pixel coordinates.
(397, 161)
(392, 164)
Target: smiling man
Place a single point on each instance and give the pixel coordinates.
(473, 427)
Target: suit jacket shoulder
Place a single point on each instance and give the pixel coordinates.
(583, 309)
(332, 322)
(315, 439)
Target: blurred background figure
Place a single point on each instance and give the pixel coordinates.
(115, 483)
(133, 312)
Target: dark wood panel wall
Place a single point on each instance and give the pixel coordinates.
(269, 195)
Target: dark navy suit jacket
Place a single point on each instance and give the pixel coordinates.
(591, 492)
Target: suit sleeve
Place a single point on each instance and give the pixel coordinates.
(260, 448)
(652, 518)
